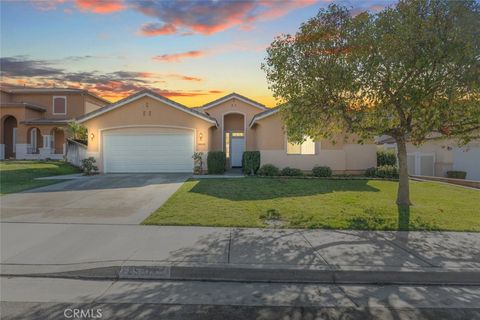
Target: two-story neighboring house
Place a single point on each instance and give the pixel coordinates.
(33, 121)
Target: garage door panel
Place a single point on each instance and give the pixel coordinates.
(148, 153)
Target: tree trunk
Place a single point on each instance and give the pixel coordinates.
(403, 194)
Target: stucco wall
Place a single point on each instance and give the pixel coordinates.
(443, 154)
(19, 114)
(5, 97)
(342, 156)
(75, 103)
(233, 105)
(138, 117)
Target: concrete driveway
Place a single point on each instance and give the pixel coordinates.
(105, 199)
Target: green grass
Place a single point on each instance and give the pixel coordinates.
(320, 203)
(17, 176)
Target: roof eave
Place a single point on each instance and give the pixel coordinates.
(263, 116)
(230, 96)
(154, 96)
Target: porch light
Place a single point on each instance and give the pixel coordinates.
(92, 135)
(200, 135)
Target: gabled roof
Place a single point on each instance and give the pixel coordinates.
(236, 96)
(53, 90)
(150, 94)
(27, 105)
(264, 114)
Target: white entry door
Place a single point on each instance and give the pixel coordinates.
(148, 152)
(238, 146)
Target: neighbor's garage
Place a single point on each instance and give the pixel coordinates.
(163, 152)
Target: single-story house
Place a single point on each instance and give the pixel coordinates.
(147, 132)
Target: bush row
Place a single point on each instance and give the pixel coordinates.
(270, 170)
(386, 171)
(216, 162)
(456, 174)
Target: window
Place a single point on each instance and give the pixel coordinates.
(59, 105)
(227, 145)
(237, 134)
(307, 147)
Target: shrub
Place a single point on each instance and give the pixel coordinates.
(216, 161)
(456, 174)
(370, 172)
(386, 158)
(386, 172)
(322, 171)
(291, 172)
(268, 170)
(78, 132)
(198, 162)
(251, 162)
(88, 166)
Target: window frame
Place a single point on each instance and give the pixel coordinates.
(315, 148)
(53, 105)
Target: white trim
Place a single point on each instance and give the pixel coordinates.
(101, 156)
(33, 138)
(302, 154)
(234, 96)
(263, 116)
(146, 94)
(53, 105)
(14, 141)
(244, 129)
(101, 134)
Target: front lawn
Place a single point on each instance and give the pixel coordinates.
(319, 203)
(17, 176)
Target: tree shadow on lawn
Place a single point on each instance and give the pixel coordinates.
(265, 189)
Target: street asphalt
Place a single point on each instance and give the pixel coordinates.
(40, 298)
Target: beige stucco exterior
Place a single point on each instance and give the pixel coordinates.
(447, 156)
(341, 156)
(231, 107)
(33, 108)
(146, 115)
(149, 113)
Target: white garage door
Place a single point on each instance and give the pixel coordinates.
(148, 152)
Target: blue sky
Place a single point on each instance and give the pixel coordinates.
(190, 51)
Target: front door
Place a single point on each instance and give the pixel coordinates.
(238, 146)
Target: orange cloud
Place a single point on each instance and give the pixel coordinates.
(176, 57)
(183, 77)
(100, 6)
(208, 17)
(194, 93)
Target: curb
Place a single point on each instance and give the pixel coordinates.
(284, 275)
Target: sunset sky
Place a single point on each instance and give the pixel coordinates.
(191, 52)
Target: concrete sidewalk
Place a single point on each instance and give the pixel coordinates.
(232, 254)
